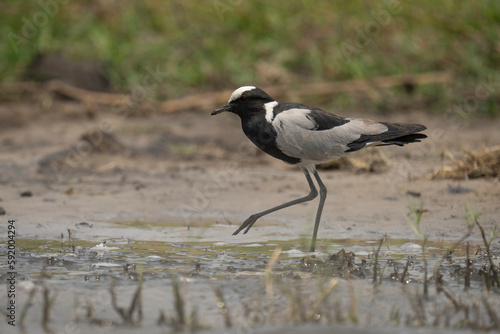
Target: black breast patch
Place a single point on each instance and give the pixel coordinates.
(263, 135)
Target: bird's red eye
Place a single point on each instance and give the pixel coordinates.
(243, 99)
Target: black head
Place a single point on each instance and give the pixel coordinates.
(245, 101)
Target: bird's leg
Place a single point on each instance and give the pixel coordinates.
(253, 218)
(322, 198)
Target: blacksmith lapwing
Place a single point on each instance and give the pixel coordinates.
(307, 136)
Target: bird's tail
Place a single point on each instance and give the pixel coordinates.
(399, 134)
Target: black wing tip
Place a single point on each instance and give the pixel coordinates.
(419, 127)
(398, 134)
(417, 135)
(406, 139)
(407, 128)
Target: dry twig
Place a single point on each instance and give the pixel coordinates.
(207, 101)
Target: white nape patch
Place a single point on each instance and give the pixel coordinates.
(269, 106)
(237, 93)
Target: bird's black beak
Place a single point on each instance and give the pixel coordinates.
(226, 107)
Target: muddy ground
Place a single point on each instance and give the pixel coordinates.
(189, 178)
(190, 167)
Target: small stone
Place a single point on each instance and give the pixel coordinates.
(84, 224)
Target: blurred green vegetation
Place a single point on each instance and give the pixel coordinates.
(209, 45)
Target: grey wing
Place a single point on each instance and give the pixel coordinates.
(318, 136)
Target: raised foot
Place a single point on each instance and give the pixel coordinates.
(247, 224)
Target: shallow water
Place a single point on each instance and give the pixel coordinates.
(229, 285)
(78, 261)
